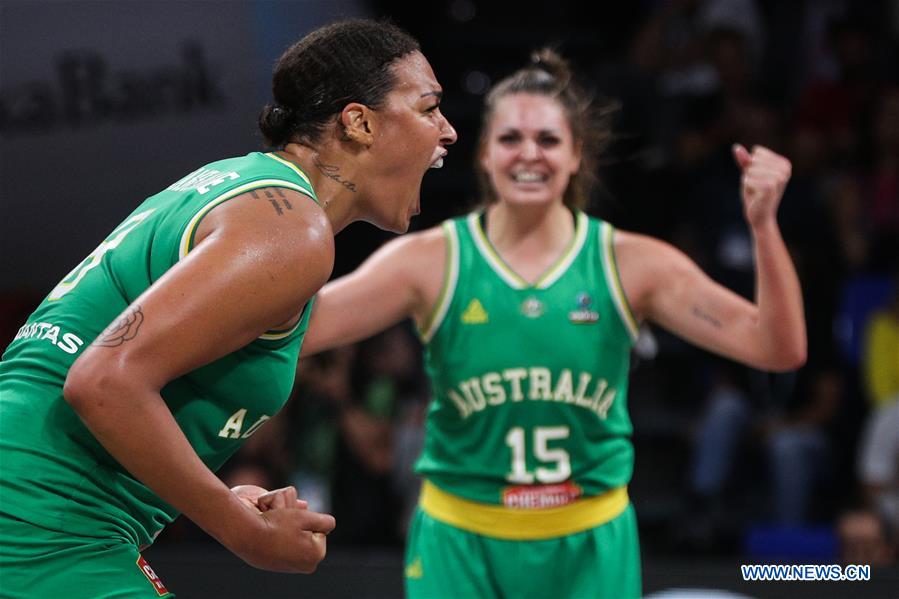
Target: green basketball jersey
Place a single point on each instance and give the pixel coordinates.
(54, 472)
(529, 381)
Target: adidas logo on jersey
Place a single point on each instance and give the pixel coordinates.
(415, 570)
(475, 313)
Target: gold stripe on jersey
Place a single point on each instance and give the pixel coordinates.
(519, 524)
(290, 165)
(610, 267)
(450, 277)
(187, 239)
(512, 278)
(275, 335)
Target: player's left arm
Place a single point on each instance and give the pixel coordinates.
(665, 286)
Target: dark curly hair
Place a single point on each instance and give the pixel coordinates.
(347, 61)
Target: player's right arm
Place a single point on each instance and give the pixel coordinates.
(251, 270)
(400, 280)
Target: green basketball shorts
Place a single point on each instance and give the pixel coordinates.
(45, 564)
(443, 560)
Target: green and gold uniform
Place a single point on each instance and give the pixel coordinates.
(71, 518)
(527, 452)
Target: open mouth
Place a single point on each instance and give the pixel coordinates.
(438, 162)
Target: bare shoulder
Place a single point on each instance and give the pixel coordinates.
(427, 251)
(412, 265)
(644, 262)
(413, 255)
(635, 248)
(279, 227)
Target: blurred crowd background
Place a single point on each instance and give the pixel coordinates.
(730, 461)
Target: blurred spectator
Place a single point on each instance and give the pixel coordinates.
(323, 389)
(799, 452)
(865, 200)
(762, 452)
(841, 88)
(365, 496)
(871, 535)
(880, 356)
(881, 180)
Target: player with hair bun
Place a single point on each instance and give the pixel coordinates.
(153, 360)
(528, 309)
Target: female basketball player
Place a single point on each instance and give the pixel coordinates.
(148, 365)
(528, 309)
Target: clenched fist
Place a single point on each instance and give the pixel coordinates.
(765, 176)
(285, 535)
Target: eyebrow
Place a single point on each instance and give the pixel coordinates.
(514, 129)
(436, 94)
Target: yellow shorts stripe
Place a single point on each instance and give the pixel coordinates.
(522, 524)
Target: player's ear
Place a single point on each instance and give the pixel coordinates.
(356, 123)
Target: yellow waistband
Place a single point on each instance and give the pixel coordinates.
(522, 524)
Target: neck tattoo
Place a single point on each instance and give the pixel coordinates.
(333, 172)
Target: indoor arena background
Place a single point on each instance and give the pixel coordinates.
(105, 103)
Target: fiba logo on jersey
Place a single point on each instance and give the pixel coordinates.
(583, 314)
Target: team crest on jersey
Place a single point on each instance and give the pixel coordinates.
(475, 313)
(584, 313)
(532, 307)
(151, 576)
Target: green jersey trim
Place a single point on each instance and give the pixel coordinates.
(292, 166)
(555, 272)
(610, 267)
(450, 278)
(512, 278)
(187, 239)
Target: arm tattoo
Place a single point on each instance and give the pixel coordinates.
(122, 329)
(284, 199)
(273, 201)
(332, 171)
(699, 313)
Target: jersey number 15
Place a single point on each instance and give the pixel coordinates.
(561, 469)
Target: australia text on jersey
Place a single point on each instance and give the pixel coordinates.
(535, 383)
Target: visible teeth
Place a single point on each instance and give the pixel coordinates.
(528, 177)
(438, 163)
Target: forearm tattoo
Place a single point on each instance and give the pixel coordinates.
(700, 313)
(332, 171)
(270, 196)
(123, 329)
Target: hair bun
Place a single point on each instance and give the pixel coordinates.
(548, 60)
(281, 112)
(276, 124)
